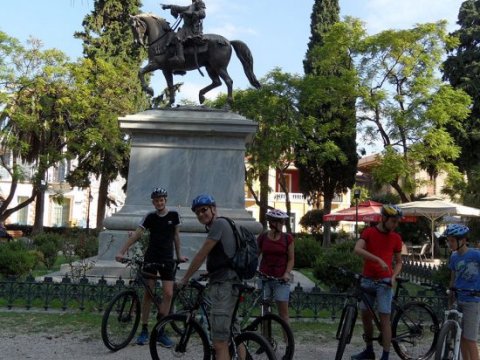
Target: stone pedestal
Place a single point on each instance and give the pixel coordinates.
(188, 151)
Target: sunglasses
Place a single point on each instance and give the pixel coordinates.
(201, 210)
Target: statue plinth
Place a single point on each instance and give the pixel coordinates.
(188, 151)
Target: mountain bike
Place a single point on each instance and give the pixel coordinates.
(271, 326)
(191, 338)
(122, 316)
(415, 326)
(448, 344)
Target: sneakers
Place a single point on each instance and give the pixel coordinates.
(164, 340)
(143, 337)
(364, 355)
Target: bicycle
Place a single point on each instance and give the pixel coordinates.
(122, 316)
(448, 344)
(271, 326)
(191, 339)
(414, 325)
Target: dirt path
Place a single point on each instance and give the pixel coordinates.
(82, 347)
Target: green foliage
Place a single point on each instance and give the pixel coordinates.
(49, 245)
(312, 221)
(16, 259)
(404, 103)
(307, 250)
(338, 255)
(442, 275)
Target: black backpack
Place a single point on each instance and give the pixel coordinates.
(245, 259)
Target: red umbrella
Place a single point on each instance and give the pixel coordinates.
(367, 211)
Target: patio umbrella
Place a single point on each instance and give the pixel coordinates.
(367, 211)
(434, 208)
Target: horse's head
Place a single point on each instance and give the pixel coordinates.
(139, 29)
(148, 25)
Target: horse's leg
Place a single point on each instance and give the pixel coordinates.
(229, 82)
(171, 91)
(141, 75)
(215, 83)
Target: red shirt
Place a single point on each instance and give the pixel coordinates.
(383, 245)
(274, 254)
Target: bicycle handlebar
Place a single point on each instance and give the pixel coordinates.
(472, 292)
(264, 276)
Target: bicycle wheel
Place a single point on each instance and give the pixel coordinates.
(414, 331)
(445, 348)
(190, 343)
(252, 346)
(277, 332)
(120, 320)
(345, 329)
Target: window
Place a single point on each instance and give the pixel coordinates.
(22, 214)
(288, 182)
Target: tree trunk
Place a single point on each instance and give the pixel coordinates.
(263, 178)
(102, 201)
(327, 229)
(39, 211)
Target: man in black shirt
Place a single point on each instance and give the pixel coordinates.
(163, 225)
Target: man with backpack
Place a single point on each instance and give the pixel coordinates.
(218, 249)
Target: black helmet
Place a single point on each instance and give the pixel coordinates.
(158, 192)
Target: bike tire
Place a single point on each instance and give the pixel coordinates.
(120, 320)
(279, 334)
(256, 347)
(415, 329)
(191, 342)
(345, 329)
(444, 350)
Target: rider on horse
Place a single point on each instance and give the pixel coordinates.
(192, 28)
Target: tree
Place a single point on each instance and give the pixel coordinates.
(462, 69)
(274, 107)
(107, 39)
(327, 158)
(405, 105)
(325, 13)
(36, 118)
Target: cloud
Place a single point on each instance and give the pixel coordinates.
(395, 14)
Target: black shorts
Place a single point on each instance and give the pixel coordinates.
(165, 269)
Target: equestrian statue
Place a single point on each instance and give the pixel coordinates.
(188, 49)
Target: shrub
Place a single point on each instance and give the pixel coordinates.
(338, 255)
(307, 250)
(312, 221)
(16, 259)
(49, 244)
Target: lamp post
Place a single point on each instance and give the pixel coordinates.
(356, 196)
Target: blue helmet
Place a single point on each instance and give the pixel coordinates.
(456, 230)
(158, 192)
(390, 210)
(203, 200)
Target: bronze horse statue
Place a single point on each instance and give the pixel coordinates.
(211, 51)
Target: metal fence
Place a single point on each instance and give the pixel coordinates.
(84, 295)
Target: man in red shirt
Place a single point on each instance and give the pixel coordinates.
(378, 246)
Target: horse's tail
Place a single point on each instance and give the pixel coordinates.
(246, 58)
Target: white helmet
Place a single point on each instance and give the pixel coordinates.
(275, 215)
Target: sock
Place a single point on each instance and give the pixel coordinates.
(385, 355)
(369, 347)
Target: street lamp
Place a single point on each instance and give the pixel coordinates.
(356, 196)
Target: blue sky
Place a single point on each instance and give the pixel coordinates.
(277, 31)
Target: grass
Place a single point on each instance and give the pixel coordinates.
(88, 324)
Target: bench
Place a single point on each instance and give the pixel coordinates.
(15, 233)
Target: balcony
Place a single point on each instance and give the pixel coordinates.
(293, 197)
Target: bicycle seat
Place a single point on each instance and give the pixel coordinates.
(244, 287)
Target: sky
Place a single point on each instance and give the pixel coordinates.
(276, 31)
